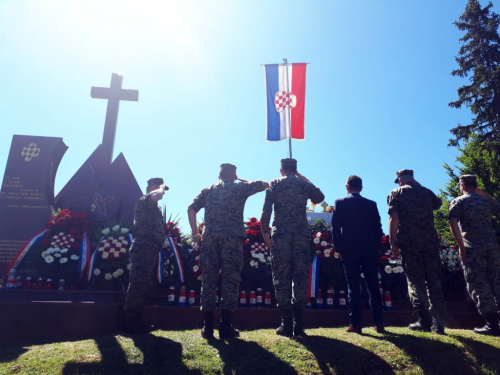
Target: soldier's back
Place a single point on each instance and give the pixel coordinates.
(290, 199)
(415, 206)
(224, 204)
(474, 214)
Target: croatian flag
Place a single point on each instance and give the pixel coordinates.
(286, 99)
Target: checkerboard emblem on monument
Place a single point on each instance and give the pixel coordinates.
(30, 152)
(284, 99)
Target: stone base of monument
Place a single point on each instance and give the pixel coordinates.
(44, 321)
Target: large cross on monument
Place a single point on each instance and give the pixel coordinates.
(114, 94)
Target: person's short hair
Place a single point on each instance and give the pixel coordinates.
(406, 178)
(288, 165)
(354, 182)
(470, 185)
(227, 173)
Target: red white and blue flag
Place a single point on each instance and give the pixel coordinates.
(286, 99)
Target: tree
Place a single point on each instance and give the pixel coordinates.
(474, 159)
(479, 59)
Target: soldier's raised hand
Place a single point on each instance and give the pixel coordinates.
(302, 177)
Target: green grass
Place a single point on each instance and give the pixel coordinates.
(325, 351)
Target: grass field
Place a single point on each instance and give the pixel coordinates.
(325, 351)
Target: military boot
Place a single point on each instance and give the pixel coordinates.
(226, 329)
(207, 332)
(298, 328)
(437, 326)
(491, 327)
(423, 323)
(285, 328)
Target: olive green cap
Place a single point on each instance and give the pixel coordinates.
(403, 172)
(468, 179)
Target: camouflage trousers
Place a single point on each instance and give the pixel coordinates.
(422, 266)
(143, 256)
(222, 255)
(290, 261)
(482, 274)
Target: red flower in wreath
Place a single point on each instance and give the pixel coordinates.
(324, 235)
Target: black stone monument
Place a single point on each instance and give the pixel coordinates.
(27, 193)
(106, 189)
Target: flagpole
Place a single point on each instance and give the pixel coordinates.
(285, 61)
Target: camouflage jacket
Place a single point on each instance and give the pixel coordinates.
(414, 205)
(148, 221)
(224, 203)
(289, 195)
(473, 212)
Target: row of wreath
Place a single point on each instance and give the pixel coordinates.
(62, 250)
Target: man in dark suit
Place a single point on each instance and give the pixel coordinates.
(357, 233)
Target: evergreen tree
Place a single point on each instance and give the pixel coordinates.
(479, 59)
(474, 159)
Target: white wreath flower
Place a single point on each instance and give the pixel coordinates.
(124, 231)
(105, 232)
(97, 272)
(108, 276)
(63, 260)
(49, 258)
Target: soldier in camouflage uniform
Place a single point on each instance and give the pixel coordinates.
(222, 244)
(290, 247)
(411, 230)
(149, 236)
(470, 223)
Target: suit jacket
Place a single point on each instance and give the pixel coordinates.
(356, 226)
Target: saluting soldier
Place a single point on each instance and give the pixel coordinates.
(222, 244)
(149, 236)
(470, 223)
(290, 246)
(412, 233)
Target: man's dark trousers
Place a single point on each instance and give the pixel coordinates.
(354, 264)
(357, 232)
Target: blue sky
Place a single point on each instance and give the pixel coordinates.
(377, 87)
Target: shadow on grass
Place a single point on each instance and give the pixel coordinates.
(9, 352)
(246, 357)
(160, 355)
(341, 357)
(487, 356)
(437, 357)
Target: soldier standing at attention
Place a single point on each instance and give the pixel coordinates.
(478, 249)
(411, 230)
(290, 246)
(149, 236)
(222, 244)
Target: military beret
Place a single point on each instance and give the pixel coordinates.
(155, 181)
(227, 167)
(288, 164)
(403, 172)
(468, 179)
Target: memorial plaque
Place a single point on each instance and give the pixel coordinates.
(27, 191)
